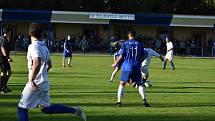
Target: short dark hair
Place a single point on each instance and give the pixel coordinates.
(35, 30)
(132, 33)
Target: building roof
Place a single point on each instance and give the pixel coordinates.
(165, 20)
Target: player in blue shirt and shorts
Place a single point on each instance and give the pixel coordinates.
(132, 54)
(67, 51)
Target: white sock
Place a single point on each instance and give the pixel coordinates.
(120, 93)
(113, 74)
(142, 92)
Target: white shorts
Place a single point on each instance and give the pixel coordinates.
(144, 71)
(33, 98)
(169, 55)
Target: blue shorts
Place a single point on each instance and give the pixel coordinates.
(67, 54)
(134, 76)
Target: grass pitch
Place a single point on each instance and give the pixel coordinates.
(186, 94)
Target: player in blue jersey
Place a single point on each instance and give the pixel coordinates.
(132, 54)
(67, 51)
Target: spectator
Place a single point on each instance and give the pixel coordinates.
(84, 44)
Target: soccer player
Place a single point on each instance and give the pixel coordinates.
(169, 54)
(36, 91)
(5, 60)
(115, 57)
(133, 53)
(118, 66)
(67, 52)
(146, 62)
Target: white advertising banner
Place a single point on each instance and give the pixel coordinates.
(112, 16)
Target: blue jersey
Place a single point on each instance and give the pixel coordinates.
(68, 45)
(133, 53)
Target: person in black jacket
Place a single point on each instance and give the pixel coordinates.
(5, 60)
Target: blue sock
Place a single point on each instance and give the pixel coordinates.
(58, 109)
(22, 114)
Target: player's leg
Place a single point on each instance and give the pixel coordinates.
(3, 78)
(22, 114)
(114, 74)
(29, 99)
(64, 61)
(125, 77)
(7, 77)
(59, 108)
(165, 61)
(69, 61)
(136, 77)
(172, 66)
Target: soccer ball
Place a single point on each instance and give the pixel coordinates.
(148, 83)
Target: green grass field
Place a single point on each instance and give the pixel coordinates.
(186, 94)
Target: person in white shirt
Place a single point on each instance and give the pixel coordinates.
(169, 54)
(147, 61)
(36, 91)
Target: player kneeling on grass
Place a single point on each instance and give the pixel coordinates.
(133, 53)
(36, 91)
(145, 66)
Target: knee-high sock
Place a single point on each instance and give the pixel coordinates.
(120, 93)
(58, 109)
(113, 74)
(6, 78)
(164, 64)
(22, 114)
(142, 92)
(172, 65)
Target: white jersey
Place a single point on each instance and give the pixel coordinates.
(169, 54)
(39, 49)
(151, 53)
(169, 46)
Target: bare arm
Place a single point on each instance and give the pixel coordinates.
(65, 47)
(4, 52)
(35, 70)
(118, 61)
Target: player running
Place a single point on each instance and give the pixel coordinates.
(133, 53)
(36, 91)
(146, 63)
(67, 51)
(115, 57)
(169, 54)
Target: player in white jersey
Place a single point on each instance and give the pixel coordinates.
(169, 54)
(36, 91)
(147, 61)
